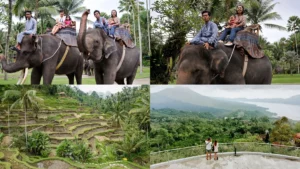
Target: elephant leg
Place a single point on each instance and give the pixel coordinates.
(78, 75)
(71, 78)
(48, 75)
(130, 79)
(109, 77)
(120, 82)
(36, 75)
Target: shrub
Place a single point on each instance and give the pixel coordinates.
(37, 142)
(64, 149)
(77, 150)
(45, 153)
(81, 151)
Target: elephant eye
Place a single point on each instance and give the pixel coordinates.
(97, 41)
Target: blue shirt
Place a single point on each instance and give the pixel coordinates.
(207, 34)
(30, 26)
(99, 23)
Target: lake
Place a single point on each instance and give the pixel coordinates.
(287, 110)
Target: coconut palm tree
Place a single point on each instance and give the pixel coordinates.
(39, 7)
(8, 32)
(71, 7)
(9, 97)
(260, 11)
(28, 100)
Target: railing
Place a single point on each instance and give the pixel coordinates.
(174, 154)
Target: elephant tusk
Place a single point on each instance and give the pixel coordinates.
(89, 54)
(23, 76)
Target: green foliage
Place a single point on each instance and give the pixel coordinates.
(64, 149)
(77, 150)
(297, 127)
(19, 141)
(81, 151)
(1, 137)
(282, 132)
(177, 129)
(107, 152)
(38, 143)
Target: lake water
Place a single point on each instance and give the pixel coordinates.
(287, 110)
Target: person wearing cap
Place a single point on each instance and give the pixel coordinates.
(207, 36)
(240, 23)
(100, 22)
(60, 22)
(30, 29)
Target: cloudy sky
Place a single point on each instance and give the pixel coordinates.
(102, 88)
(285, 8)
(234, 91)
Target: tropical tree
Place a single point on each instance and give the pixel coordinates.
(28, 100)
(71, 7)
(134, 140)
(117, 114)
(282, 131)
(9, 97)
(260, 11)
(8, 32)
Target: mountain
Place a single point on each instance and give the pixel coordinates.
(183, 98)
(294, 100)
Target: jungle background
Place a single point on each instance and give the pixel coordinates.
(178, 20)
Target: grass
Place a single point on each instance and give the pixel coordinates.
(286, 79)
(13, 78)
(277, 79)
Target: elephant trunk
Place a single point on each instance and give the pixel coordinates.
(82, 32)
(14, 67)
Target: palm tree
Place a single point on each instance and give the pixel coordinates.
(28, 100)
(71, 7)
(134, 139)
(148, 26)
(260, 11)
(9, 97)
(294, 25)
(39, 7)
(140, 37)
(142, 111)
(8, 32)
(118, 114)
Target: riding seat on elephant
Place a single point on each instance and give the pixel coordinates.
(48, 55)
(225, 65)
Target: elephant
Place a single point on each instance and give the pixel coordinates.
(198, 65)
(88, 67)
(43, 53)
(96, 45)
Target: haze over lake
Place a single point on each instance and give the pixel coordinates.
(287, 110)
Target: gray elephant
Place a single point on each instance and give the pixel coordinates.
(43, 54)
(199, 66)
(107, 55)
(88, 67)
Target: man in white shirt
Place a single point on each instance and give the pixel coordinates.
(208, 143)
(60, 22)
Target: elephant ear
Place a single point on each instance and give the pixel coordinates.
(218, 60)
(35, 40)
(109, 47)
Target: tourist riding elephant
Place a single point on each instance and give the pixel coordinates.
(200, 66)
(107, 55)
(43, 54)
